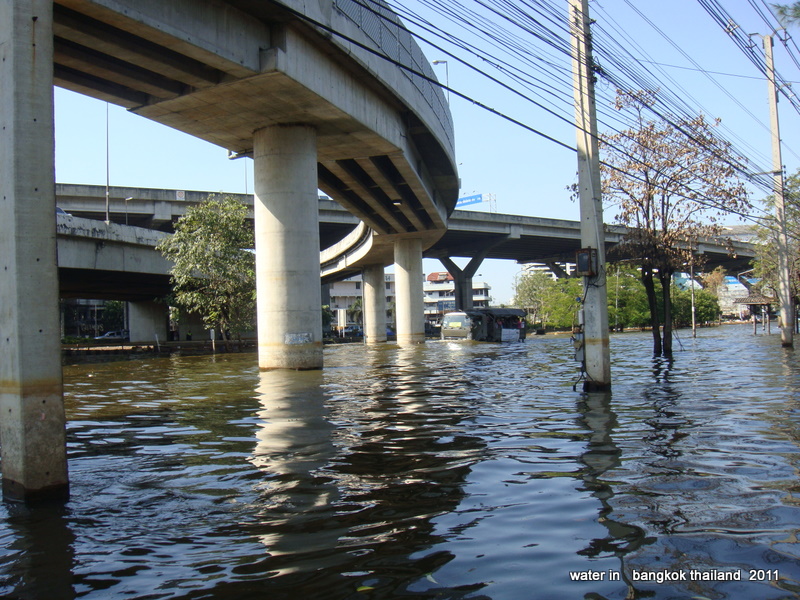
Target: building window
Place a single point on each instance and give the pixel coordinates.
(358, 285)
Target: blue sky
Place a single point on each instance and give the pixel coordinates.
(525, 174)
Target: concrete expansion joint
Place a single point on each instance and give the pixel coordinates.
(287, 125)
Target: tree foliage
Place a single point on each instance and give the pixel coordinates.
(789, 14)
(714, 280)
(706, 307)
(627, 300)
(670, 181)
(554, 303)
(529, 294)
(214, 268)
(551, 303)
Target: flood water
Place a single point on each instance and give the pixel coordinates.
(453, 470)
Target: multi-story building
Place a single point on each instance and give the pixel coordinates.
(563, 268)
(438, 290)
(343, 294)
(440, 295)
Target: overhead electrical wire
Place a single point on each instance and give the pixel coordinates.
(501, 38)
(471, 21)
(683, 93)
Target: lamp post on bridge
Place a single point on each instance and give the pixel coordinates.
(446, 76)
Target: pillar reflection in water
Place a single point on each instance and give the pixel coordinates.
(294, 444)
(603, 455)
(44, 545)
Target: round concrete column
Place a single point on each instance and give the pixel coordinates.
(410, 305)
(34, 455)
(374, 304)
(287, 248)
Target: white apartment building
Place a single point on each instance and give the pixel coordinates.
(344, 293)
(568, 268)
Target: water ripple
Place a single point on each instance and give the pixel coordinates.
(444, 471)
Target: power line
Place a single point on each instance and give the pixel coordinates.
(504, 40)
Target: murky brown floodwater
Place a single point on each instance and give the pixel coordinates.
(448, 471)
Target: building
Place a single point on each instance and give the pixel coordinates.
(343, 294)
(440, 295)
(438, 289)
(731, 290)
(553, 270)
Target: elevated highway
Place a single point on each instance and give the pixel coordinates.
(221, 70)
(110, 261)
(303, 87)
(470, 234)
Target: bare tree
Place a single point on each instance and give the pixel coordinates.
(671, 180)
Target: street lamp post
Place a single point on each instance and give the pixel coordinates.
(126, 208)
(446, 76)
(108, 171)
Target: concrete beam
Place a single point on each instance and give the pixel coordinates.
(211, 32)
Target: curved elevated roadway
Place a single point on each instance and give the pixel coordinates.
(271, 79)
(219, 70)
(323, 94)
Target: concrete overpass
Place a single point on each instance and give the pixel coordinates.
(110, 261)
(302, 87)
(470, 234)
(112, 256)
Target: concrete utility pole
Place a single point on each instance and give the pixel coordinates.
(782, 239)
(595, 330)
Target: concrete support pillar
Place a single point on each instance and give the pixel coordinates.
(462, 278)
(410, 304)
(148, 321)
(32, 418)
(374, 304)
(287, 248)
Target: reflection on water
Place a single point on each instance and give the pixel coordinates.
(453, 470)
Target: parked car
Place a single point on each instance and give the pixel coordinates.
(113, 335)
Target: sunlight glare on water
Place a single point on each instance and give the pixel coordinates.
(451, 470)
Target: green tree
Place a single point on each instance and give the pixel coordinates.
(529, 294)
(327, 317)
(214, 268)
(113, 315)
(553, 303)
(627, 299)
(356, 311)
(706, 307)
(670, 181)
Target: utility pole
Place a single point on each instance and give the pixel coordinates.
(596, 356)
(782, 239)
